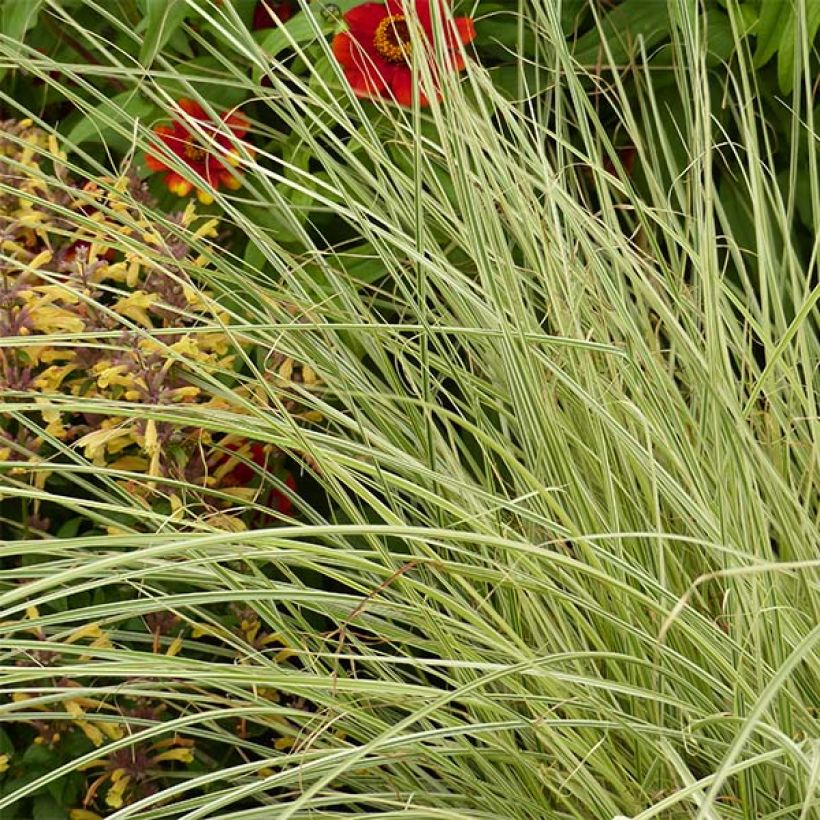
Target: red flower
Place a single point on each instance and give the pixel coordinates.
(375, 52)
(242, 473)
(269, 14)
(209, 160)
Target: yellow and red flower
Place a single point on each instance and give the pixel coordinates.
(240, 473)
(212, 160)
(376, 50)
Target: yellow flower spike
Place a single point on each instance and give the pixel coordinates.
(92, 630)
(188, 214)
(183, 393)
(309, 375)
(95, 443)
(42, 258)
(284, 654)
(208, 229)
(74, 709)
(203, 196)
(178, 755)
(103, 642)
(134, 268)
(175, 647)
(56, 429)
(250, 630)
(284, 743)
(131, 464)
(119, 783)
(47, 355)
(49, 319)
(113, 730)
(50, 380)
(286, 369)
(117, 272)
(111, 530)
(91, 732)
(227, 523)
(54, 147)
(135, 305)
(151, 440)
(32, 613)
(83, 814)
(4, 763)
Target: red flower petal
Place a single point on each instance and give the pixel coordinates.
(238, 123)
(364, 20)
(368, 83)
(394, 7)
(154, 163)
(402, 87)
(465, 28)
(279, 500)
(192, 109)
(343, 47)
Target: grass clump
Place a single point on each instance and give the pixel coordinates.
(556, 551)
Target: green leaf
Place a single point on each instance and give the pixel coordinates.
(47, 808)
(207, 75)
(770, 24)
(18, 16)
(163, 18)
(122, 108)
(720, 39)
(621, 28)
(785, 55)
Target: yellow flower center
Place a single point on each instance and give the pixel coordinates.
(194, 153)
(392, 39)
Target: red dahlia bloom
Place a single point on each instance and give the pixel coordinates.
(376, 50)
(209, 160)
(269, 14)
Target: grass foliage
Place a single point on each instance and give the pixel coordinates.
(569, 563)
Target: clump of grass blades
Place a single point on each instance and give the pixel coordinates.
(570, 564)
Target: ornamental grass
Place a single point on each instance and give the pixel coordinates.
(457, 459)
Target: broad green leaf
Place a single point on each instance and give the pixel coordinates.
(788, 43)
(97, 123)
(163, 18)
(18, 16)
(773, 18)
(621, 27)
(720, 39)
